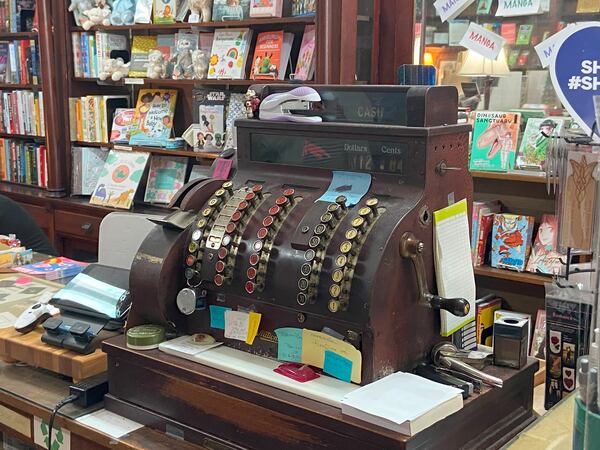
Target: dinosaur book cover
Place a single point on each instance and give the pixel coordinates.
(511, 241)
(495, 136)
(119, 179)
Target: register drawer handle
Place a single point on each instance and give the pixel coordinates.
(86, 227)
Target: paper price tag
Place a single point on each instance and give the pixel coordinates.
(545, 49)
(482, 41)
(133, 81)
(449, 9)
(512, 8)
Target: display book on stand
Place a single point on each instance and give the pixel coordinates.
(286, 260)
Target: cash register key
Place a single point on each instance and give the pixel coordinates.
(282, 202)
(351, 234)
(226, 240)
(250, 286)
(196, 235)
(262, 233)
(333, 305)
(306, 269)
(228, 186)
(314, 242)
(250, 197)
(345, 247)
(267, 221)
(236, 216)
(206, 212)
(274, 210)
(193, 247)
(309, 255)
(320, 229)
(201, 223)
(220, 193)
(337, 275)
(219, 266)
(243, 205)
(222, 253)
(189, 273)
(218, 280)
(327, 219)
(341, 200)
(359, 223)
(254, 258)
(301, 298)
(303, 284)
(289, 192)
(231, 227)
(335, 290)
(257, 188)
(366, 213)
(335, 209)
(257, 246)
(190, 260)
(373, 203)
(341, 260)
(251, 273)
(214, 202)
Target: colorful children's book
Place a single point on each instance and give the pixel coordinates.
(524, 35)
(140, 47)
(495, 136)
(87, 164)
(304, 7)
(535, 141)
(266, 8)
(479, 209)
(511, 241)
(484, 231)
(230, 10)
(484, 318)
(538, 342)
(544, 255)
(271, 55)
(212, 123)
(305, 67)
(121, 127)
(165, 11)
(53, 268)
(229, 53)
(484, 7)
(153, 121)
(166, 177)
(508, 31)
(119, 179)
(513, 56)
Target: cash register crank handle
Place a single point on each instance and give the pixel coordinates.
(412, 248)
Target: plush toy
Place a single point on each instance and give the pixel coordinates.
(157, 67)
(123, 12)
(199, 64)
(77, 7)
(183, 67)
(200, 11)
(115, 69)
(98, 15)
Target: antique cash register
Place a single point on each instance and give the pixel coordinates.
(324, 227)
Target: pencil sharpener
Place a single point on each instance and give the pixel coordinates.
(510, 342)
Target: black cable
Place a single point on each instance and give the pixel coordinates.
(59, 405)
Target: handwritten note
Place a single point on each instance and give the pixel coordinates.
(236, 325)
(289, 344)
(482, 41)
(315, 344)
(217, 316)
(338, 366)
(253, 323)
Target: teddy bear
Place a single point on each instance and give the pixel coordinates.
(200, 11)
(77, 7)
(199, 64)
(115, 69)
(157, 67)
(99, 15)
(123, 12)
(183, 67)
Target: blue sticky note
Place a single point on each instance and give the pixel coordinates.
(289, 344)
(217, 316)
(354, 185)
(337, 366)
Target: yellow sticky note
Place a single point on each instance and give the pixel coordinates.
(253, 323)
(315, 343)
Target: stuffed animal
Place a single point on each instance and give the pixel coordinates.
(77, 7)
(199, 64)
(115, 69)
(200, 11)
(183, 59)
(157, 67)
(123, 12)
(99, 15)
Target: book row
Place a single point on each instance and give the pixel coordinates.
(20, 61)
(23, 162)
(17, 15)
(22, 112)
(91, 116)
(127, 12)
(223, 54)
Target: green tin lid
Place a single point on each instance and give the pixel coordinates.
(145, 337)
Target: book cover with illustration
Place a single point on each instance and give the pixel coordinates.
(53, 268)
(165, 178)
(544, 256)
(271, 55)
(140, 47)
(266, 8)
(119, 179)
(229, 54)
(524, 35)
(121, 126)
(230, 10)
(305, 67)
(495, 136)
(511, 241)
(153, 121)
(3, 61)
(484, 7)
(536, 139)
(165, 11)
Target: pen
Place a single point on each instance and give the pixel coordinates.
(583, 379)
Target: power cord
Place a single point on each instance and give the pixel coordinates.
(59, 405)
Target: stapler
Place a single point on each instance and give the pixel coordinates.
(296, 105)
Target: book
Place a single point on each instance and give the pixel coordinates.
(486, 222)
(120, 131)
(511, 241)
(23, 162)
(212, 128)
(304, 7)
(588, 6)
(87, 164)
(524, 35)
(230, 10)
(21, 112)
(495, 136)
(305, 67)
(53, 268)
(153, 120)
(403, 402)
(538, 340)
(271, 55)
(535, 141)
(236, 109)
(92, 116)
(266, 8)
(480, 209)
(484, 318)
(484, 7)
(140, 47)
(166, 177)
(508, 31)
(545, 257)
(523, 58)
(512, 58)
(229, 53)
(165, 11)
(119, 179)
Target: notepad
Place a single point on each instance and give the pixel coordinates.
(453, 267)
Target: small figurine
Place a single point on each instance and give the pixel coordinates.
(115, 69)
(183, 59)
(157, 67)
(77, 7)
(251, 103)
(123, 12)
(200, 64)
(200, 11)
(98, 15)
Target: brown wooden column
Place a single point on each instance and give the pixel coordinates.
(53, 68)
(328, 41)
(396, 37)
